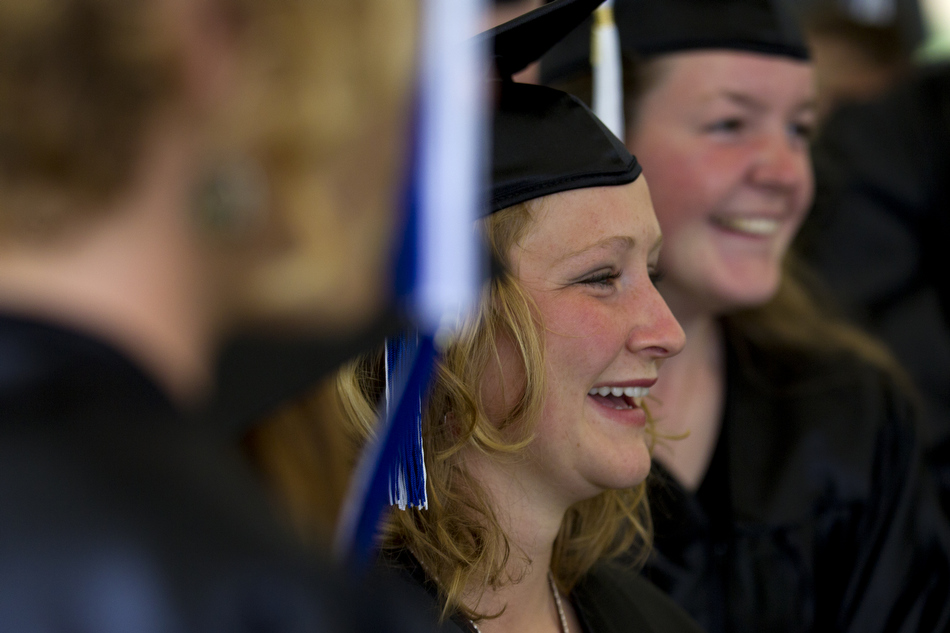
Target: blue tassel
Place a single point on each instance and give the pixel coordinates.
(370, 488)
(438, 268)
(407, 473)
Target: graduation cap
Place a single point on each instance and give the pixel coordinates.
(654, 27)
(545, 141)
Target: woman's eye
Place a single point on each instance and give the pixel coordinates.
(729, 125)
(656, 276)
(801, 131)
(602, 279)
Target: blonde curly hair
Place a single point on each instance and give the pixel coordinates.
(458, 539)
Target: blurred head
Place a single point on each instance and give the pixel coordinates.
(718, 99)
(80, 84)
(724, 138)
(324, 108)
(312, 96)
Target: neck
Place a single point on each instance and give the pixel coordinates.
(701, 354)
(132, 276)
(703, 340)
(531, 522)
(690, 394)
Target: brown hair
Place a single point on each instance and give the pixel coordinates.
(80, 81)
(801, 319)
(459, 539)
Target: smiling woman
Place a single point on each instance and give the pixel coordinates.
(779, 504)
(603, 325)
(726, 134)
(528, 470)
(537, 443)
(585, 263)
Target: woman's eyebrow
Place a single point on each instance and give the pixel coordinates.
(742, 99)
(747, 101)
(619, 242)
(809, 106)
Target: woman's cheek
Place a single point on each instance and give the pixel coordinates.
(579, 330)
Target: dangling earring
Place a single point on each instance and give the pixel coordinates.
(232, 199)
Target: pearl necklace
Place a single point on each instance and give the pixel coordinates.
(557, 603)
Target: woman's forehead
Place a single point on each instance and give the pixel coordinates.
(582, 220)
(702, 68)
(697, 78)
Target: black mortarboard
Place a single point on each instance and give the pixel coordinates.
(652, 27)
(544, 140)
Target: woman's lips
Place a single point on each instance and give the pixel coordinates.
(623, 408)
(623, 400)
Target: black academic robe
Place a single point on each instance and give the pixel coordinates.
(118, 514)
(813, 515)
(612, 598)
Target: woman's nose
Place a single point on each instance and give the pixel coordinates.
(781, 162)
(658, 333)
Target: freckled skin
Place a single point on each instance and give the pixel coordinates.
(603, 332)
(724, 135)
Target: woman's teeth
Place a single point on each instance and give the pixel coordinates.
(620, 397)
(630, 392)
(751, 226)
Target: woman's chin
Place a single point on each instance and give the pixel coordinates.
(620, 471)
(740, 291)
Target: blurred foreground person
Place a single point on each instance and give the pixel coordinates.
(171, 170)
(535, 439)
(793, 499)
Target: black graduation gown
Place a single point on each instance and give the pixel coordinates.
(813, 515)
(610, 599)
(118, 514)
